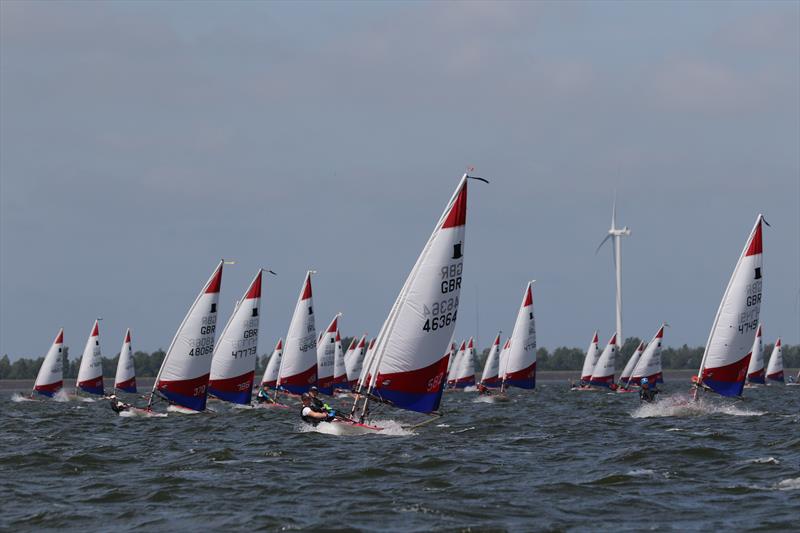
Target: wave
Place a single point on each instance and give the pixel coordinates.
(682, 406)
(17, 398)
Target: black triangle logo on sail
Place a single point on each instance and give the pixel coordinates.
(457, 254)
(758, 273)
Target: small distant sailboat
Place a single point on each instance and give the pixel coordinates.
(50, 378)
(603, 373)
(458, 356)
(354, 362)
(233, 365)
(125, 379)
(649, 365)
(270, 379)
(726, 357)
(183, 377)
(465, 372)
(624, 378)
(755, 371)
(90, 374)
(326, 357)
(298, 372)
(340, 382)
(589, 362)
(775, 367)
(491, 369)
(520, 364)
(410, 359)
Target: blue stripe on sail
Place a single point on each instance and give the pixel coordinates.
(295, 389)
(523, 383)
(413, 401)
(131, 389)
(759, 379)
(93, 390)
(47, 393)
(326, 390)
(197, 403)
(725, 388)
(240, 397)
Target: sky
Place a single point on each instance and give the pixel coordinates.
(140, 142)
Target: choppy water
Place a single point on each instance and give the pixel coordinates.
(544, 461)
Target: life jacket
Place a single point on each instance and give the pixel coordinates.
(308, 419)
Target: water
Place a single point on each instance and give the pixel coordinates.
(544, 461)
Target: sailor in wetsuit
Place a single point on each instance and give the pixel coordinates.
(311, 414)
(263, 396)
(118, 405)
(313, 392)
(647, 394)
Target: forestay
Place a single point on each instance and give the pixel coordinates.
(270, 379)
(125, 379)
(183, 377)
(233, 366)
(411, 352)
(491, 369)
(649, 365)
(775, 367)
(521, 358)
(298, 372)
(603, 373)
(590, 361)
(50, 378)
(90, 374)
(727, 353)
(326, 357)
(755, 370)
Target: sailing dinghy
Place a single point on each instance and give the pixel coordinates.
(589, 362)
(90, 374)
(775, 367)
(354, 362)
(755, 370)
(452, 375)
(183, 377)
(491, 369)
(603, 373)
(326, 357)
(465, 371)
(726, 357)
(624, 378)
(649, 365)
(407, 368)
(340, 382)
(270, 379)
(50, 378)
(298, 371)
(233, 365)
(125, 379)
(520, 364)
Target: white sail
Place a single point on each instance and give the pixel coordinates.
(354, 362)
(90, 374)
(326, 356)
(631, 364)
(503, 358)
(649, 365)
(458, 356)
(521, 358)
(183, 377)
(592, 355)
(233, 366)
(50, 378)
(775, 367)
(411, 351)
(270, 379)
(603, 373)
(339, 368)
(755, 370)
(125, 379)
(491, 369)
(727, 353)
(298, 371)
(465, 371)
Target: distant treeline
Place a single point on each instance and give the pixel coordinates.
(147, 364)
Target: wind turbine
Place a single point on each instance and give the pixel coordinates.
(616, 235)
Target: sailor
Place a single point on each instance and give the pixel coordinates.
(483, 389)
(263, 396)
(118, 405)
(313, 392)
(647, 394)
(312, 414)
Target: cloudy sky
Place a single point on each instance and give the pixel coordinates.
(142, 141)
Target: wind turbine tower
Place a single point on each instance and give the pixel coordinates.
(616, 234)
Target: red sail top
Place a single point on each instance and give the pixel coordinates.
(279, 346)
(338, 337)
(755, 242)
(497, 340)
(60, 337)
(96, 329)
(595, 338)
(778, 344)
(470, 343)
(216, 281)
(660, 334)
(613, 339)
(332, 328)
(255, 288)
(528, 297)
(128, 336)
(463, 346)
(361, 344)
(307, 288)
(758, 333)
(458, 212)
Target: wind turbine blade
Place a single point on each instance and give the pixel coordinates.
(614, 212)
(602, 243)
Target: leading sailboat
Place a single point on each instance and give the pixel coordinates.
(723, 368)
(408, 364)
